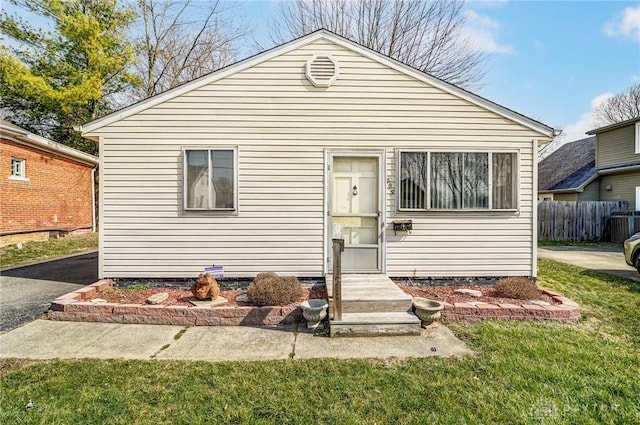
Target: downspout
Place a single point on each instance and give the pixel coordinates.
(93, 199)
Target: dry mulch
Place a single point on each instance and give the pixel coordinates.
(181, 297)
(447, 294)
(439, 293)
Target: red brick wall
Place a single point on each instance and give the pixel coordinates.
(57, 195)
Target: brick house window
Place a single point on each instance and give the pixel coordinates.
(18, 168)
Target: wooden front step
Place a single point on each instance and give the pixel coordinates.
(372, 305)
(376, 324)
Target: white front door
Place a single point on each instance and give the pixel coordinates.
(355, 211)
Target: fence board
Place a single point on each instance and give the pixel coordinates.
(576, 221)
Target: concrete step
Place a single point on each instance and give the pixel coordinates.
(376, 324)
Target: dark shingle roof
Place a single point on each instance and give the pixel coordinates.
(568, 167)
(578, 178)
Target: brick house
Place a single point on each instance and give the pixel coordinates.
(46, 189)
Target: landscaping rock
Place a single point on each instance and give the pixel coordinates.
(243, 298)
(471, 292)
(539, 302)
(205, 287)
(158, 298)
(98, 301)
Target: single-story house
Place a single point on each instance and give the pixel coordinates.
(255, 166)
(46, 188)
(569, 173)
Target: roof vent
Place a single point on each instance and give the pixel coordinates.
(322, 70)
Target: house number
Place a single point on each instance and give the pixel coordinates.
(390, 187)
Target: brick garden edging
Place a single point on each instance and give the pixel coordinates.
(565, 311)
(75, 307)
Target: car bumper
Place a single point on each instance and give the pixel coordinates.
(628, 250)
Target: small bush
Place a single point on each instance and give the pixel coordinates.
(520, 288)
(271, 289)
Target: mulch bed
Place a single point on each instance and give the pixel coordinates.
(447, 294)
(179, 297)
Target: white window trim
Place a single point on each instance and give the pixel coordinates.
(516, 181)
(23, 168)
(638, 137)
(637, 198)
(234, 150)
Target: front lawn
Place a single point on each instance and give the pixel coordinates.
(11, 255)
(523, 372)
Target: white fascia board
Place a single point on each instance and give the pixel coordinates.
(43, 143)
(540, 128)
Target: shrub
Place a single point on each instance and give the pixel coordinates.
(271, 289)
(518, 287)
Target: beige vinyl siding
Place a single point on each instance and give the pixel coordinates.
(616, 147)
(623, 187)
(282, 125)
(591, 191)
(565, 196)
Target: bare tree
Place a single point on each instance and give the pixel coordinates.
(424, 34)
(621, 107)
(182, 40)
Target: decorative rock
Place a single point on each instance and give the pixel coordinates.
(539, 302)
(243, 298)
(472, 292)
(157, 298)
(219, 301)
(208, 303)
(205, 287)
(98, 301)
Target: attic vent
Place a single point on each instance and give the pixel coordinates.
(322, 70)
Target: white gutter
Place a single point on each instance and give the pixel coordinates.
(25, 137)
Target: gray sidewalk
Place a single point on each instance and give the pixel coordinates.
(44, 339)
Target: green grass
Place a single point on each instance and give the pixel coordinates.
(11, 256)
(545, 242)
(523, 373)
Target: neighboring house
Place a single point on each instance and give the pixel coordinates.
(316, 135)
(569, 173)
(618, 161)
(46, 189)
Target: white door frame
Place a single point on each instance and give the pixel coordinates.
(381, 156)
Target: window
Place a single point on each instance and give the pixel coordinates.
(210, 179)
(18, 168)
(638, 137)
(457, 180)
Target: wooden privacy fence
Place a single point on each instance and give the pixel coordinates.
(624, 224)
(576, 221)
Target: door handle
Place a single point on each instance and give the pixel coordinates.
(355, 190)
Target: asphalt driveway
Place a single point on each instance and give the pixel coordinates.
(605, 259)
(27, 292)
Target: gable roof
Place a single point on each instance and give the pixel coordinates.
(21, 135)
(614, 126)
(543, 129)
(569, 168)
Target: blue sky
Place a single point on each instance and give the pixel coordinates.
(550, 60)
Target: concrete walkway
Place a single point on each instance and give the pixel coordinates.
(45, 339)
(604, 259)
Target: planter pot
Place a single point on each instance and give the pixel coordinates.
(428, 311)
(314, 311)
